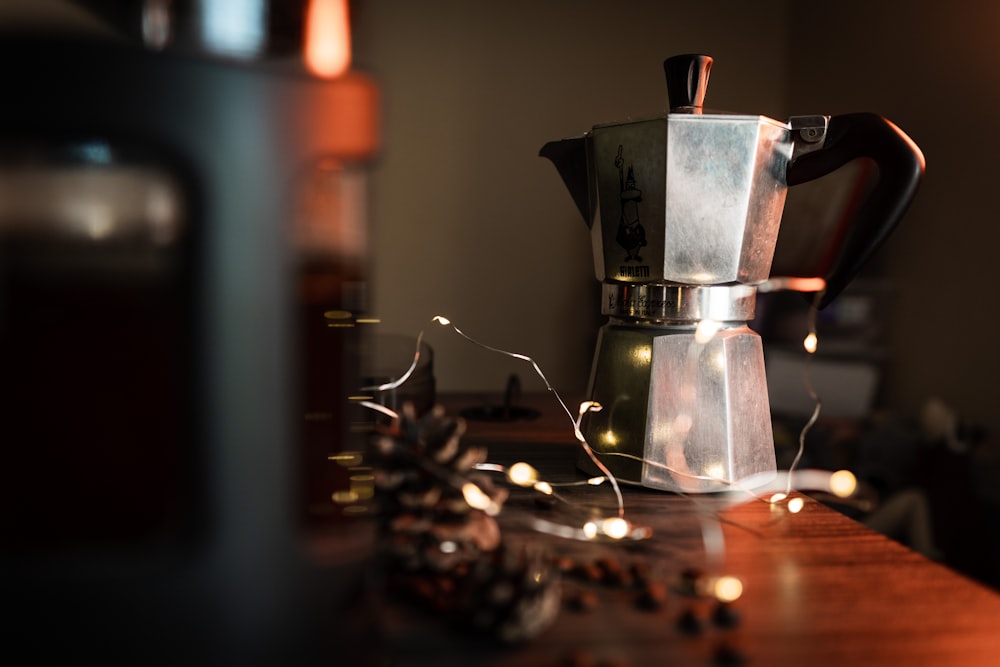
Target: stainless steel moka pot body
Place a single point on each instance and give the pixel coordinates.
(684, 211)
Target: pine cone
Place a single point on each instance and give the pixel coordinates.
(513, 596)
(444, 551)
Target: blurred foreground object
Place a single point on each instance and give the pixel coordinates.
(176, 218)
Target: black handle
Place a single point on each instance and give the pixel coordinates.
(900, 168)
(687, 80)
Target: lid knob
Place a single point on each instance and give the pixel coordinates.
(687, 81)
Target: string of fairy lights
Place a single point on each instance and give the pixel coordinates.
(618, 527)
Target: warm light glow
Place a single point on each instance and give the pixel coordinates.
(810, 343)
(543, 487)
(728, 589)
(364, 490)
(843, 483)
(715, 471)
(719, 360)
(590, 530)
(616, 528)
(706, 331)
(793, 284)
(477, 499)
(328, 38)
(98, 220)
(345, 497)
(522, 474)
(597, 481)
(442, 320)
(642, 355)
(609, 438)
(347, 459)
(795, 505)
(777, 498)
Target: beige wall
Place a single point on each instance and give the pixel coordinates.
(467, 221)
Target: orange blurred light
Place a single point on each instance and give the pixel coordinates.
(328, 38)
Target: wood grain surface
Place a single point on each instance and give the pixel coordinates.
(819, 588)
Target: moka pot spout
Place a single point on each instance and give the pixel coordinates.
(570, 159)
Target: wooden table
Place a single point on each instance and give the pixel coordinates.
(819, 588)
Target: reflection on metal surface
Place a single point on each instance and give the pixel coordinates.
(97, 200)
(705, 425)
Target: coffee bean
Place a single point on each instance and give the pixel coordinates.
(652, 597)
(582, 600)
(724, 616)
(689, 623)
(727, 655)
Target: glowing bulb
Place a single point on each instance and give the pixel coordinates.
(328, 38)
(706, 331)
(616, 528)
(475, 497)
(589, 406)
(543, 487)
(727, 589)
(843, 483)
(810, 343)
(597, 481)
(590, 530)
(777, 498)
(440, 319)
(609, 438)
(522, 474)
(795, 505)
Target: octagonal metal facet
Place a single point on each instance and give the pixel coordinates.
(680, 414)
(689, 199)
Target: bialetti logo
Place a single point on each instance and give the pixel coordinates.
(625, 271)
(631, 234)
(639, 305)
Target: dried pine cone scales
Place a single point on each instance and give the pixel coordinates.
(439, 534)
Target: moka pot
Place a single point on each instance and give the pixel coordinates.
(684, 211)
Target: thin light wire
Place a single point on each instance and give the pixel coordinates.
(444, 321)
(394, 384)
(713, 538)
(807, 382)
